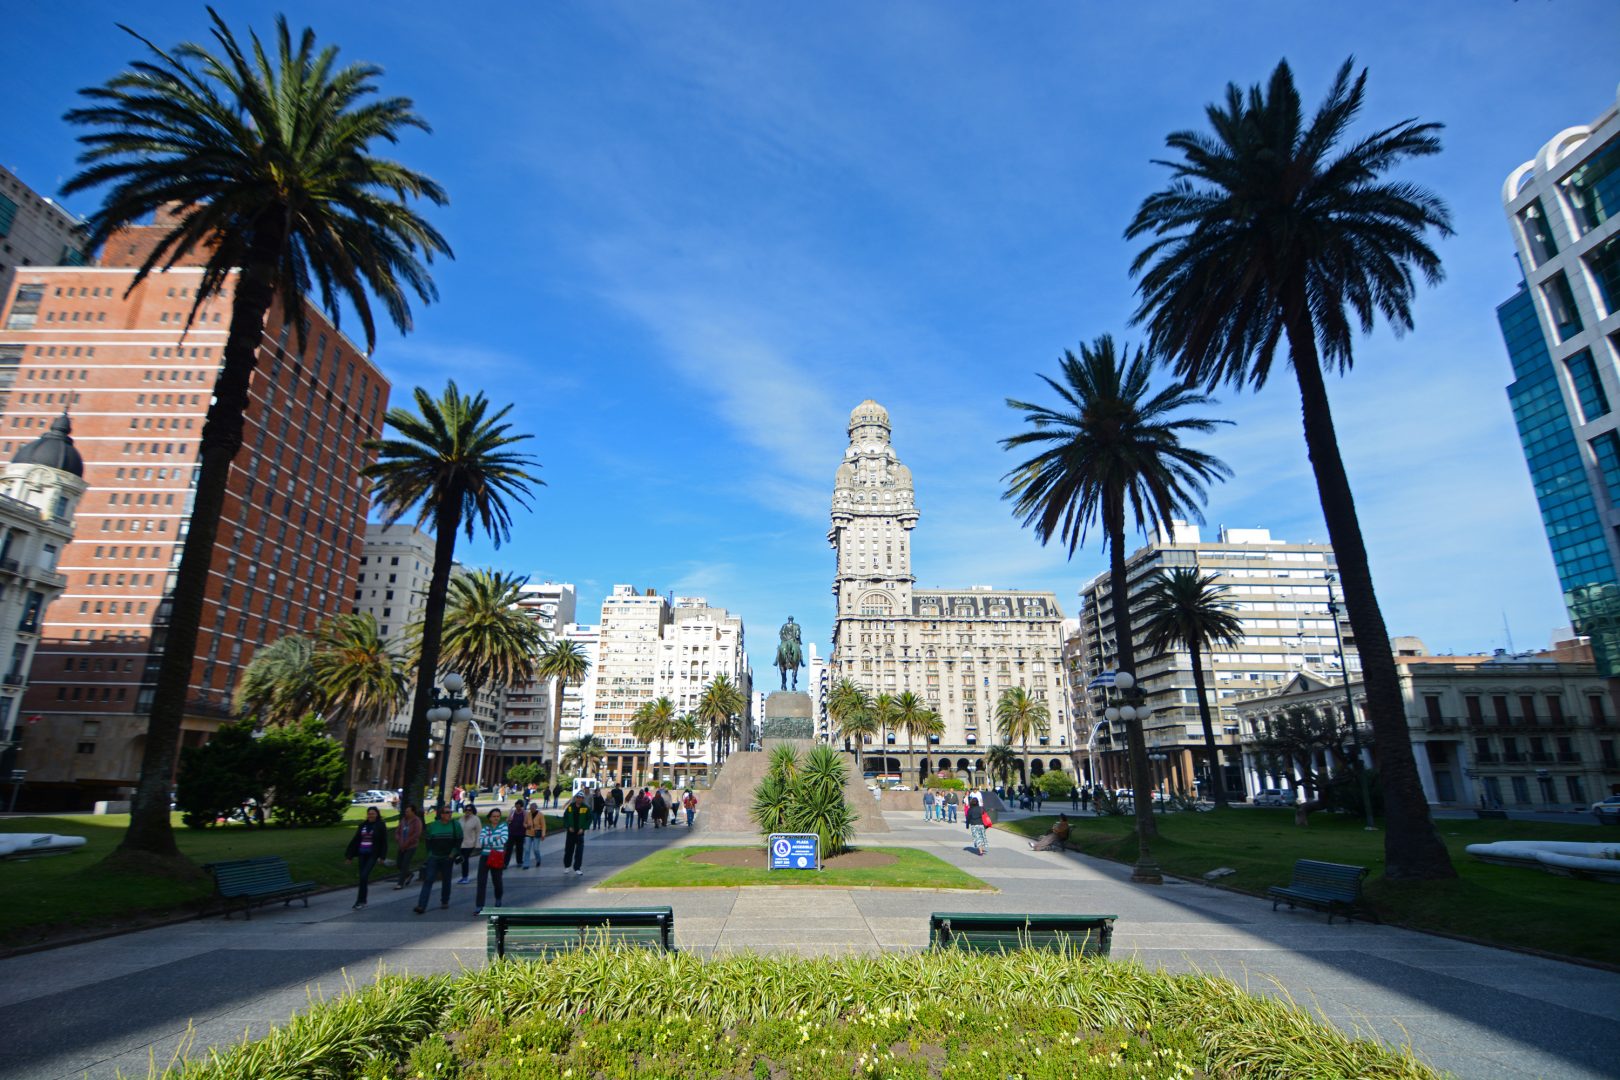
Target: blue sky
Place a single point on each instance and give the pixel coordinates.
(691, 237)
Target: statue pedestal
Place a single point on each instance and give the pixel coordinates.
(788, 715)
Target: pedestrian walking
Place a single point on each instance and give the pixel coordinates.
(978, 822)
(370, 845)
(493, 838)
(469, 825)
(643, 808)
(951, 803)
(1074, 797)
(534, 828)
(409, 834)
(576, 817)
(442, 838)
(660, 810)
(1085, 798)
(516, 835)
(689, 803)
(598, 807)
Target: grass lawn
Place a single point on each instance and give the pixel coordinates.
(61, 894)
(674, 868)
(1494, 903)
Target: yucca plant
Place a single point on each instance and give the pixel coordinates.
(819, 805)
(784, 764)
(773, 803)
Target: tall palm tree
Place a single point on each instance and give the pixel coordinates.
(362, 681)
(269, 156)
(1019, 716)
(1185, 609)
(488, 640)
(849, 707)
(914, 717)
(583, 753)
(278, 685)
(654, 721)
(1274, 228)
(885, 711)
(719, 705)
(565, 663)
(1111, 448)
(1000, 760)
(686, 730)
(451, 462)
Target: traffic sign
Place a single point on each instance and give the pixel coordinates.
(795, 851)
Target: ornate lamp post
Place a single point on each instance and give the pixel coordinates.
(448, 706)
(1350, 709)
(1134, 709)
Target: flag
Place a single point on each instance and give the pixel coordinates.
(1105, 680)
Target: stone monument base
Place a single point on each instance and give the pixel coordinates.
(788, 715)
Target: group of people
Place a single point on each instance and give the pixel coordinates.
(657, 805)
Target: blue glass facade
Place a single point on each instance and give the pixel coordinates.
(1571, 512)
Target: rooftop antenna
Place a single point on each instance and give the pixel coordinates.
(1508, 631)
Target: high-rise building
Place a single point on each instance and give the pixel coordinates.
(698, 643)
(958, 649)
(632, 629)
(34, 231)
(1281, 591)
(39, 493)
(815, 681)
(138, 382)
(1562, 330)
(530, 710)
(579, 699)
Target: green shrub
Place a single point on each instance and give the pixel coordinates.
(945, 783)
(307, 774)
(1055, 785)
(805, 796)
(219, 776)
(525, 773)
(1108, 804)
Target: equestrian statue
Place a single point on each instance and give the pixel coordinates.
(789, 653)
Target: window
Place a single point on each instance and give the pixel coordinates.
(1583, 376)
(1555, 708)
(1561, 311)
(1500, 705)
(1527, 705)
(1604, 266)
(1476, 716)
(1577, 792)
(1432, 704)
(86, 747)
(1537, 234)
(1593, 190)
(1595, 709)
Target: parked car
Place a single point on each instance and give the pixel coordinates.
(361, 797)
(1273, 797)
(1608, 810)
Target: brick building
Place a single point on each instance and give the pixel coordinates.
(138, 384)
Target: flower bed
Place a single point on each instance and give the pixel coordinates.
(617, 1015)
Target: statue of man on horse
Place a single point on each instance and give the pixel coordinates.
(789, 653)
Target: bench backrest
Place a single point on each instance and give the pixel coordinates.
(543, 931)
(1329, 877)
(245, 877)
(1089, 935)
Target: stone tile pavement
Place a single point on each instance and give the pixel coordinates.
(104, 1007)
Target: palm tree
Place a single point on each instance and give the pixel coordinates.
(488, 640)
(885, 711)
(1273, 228)
(1113, 447)
(686, 731)
(654, 722)
(850, 709)
(268, 155)
(914, 717)
(1000, 760)
(1019, 716)
(565, 663)
(453, 464)
(718, 707)
(1185, 609)
(583, 753)
(362, 681)
(278, 686)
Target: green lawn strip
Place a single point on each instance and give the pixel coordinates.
(66, 894)
(1500, 904)
(1036, 1015)
(673, 868)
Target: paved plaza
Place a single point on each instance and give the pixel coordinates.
(114, 1005)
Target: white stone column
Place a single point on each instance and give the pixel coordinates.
(1420, 753)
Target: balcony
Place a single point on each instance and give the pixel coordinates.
(9, 566)
(16, 678)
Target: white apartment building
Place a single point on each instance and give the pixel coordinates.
(958, 649)
(39, 492)
(632, 630)
(530, 712)
(699, 642)
(816, 683)
(579, 701)
(34, 231)
(1281, 591)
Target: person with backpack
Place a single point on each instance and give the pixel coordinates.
(370, 845)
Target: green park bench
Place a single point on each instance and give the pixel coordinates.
(257, 881)
(1331, 887)
(1090, 935)
(540, 932)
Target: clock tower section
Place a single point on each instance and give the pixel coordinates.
(873, 512)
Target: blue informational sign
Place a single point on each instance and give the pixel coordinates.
(795, 851)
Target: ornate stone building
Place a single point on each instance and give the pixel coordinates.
(958, 649)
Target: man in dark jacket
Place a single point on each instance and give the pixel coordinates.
(576, 818)
(442, 839)
(515, 836)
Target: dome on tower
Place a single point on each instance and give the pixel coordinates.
(54, 449)
(869, 412)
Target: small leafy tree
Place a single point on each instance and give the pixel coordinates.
(1055, 784)
(524, 773)
(1295, 742)
(307, 774)
(219, 776)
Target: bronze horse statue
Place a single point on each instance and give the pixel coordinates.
(789, 653)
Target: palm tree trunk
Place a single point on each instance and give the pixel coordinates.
(150, 830)
(1215, 784)
(446, 519)
(1125, 660)
(1413, 850)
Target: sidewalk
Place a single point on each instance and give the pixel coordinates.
(105, 1006)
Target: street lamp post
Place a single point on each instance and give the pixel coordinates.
(1134, 709)
(447, 707)
(1350, 710)
(1159, 758)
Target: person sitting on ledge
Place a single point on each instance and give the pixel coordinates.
(1054, 839)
